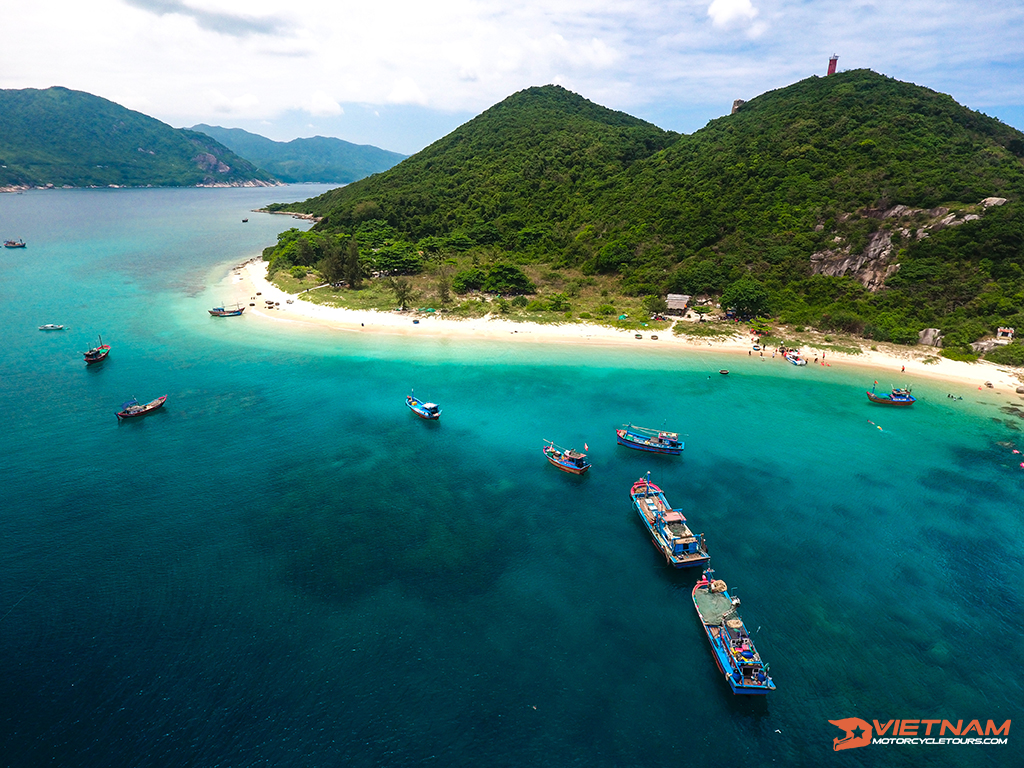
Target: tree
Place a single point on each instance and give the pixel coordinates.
(444, 285)
(701, 311)
(332, 265)
(353, 270)
(747, 296)
(403, 290)
(507, 278)
(655, 305)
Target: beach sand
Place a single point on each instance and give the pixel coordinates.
(924, 362)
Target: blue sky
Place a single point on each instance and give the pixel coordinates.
(400, 74)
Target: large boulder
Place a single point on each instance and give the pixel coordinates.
(931, 337)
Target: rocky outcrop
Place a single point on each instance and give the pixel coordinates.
(930, 337)
(876, 263)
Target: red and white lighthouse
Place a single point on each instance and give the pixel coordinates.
(832, 63)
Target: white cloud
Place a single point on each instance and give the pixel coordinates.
(186, 61)
(730, 13)
(322, 105)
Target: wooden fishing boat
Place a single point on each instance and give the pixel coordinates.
(14, 243)
(900, 397)
(424, 410)
(667, 526)
(731, 644)
(570, 461)
(222, 312)
(97, 353)
(134, 408)
(651, 440)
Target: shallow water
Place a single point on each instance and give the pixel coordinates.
(284, 566)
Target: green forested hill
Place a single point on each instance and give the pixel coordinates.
(316, 159)
(518, 175)
(851, 201)
(63, 137)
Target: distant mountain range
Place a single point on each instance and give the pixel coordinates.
(61, 137)
(318, 159)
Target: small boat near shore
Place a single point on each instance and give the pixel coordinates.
(429, 411)
(731, 644)
(51, 327)
(14, 243)
(571, 461)
(97, 353)
(895, 397)
(222, 312)
(651, 440)
(681, 547)
(133, 407)
(794, 357)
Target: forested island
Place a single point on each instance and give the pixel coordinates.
(853, 202)
(58, 137)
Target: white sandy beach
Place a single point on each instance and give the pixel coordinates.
(250, 279)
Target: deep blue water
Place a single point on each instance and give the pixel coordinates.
(285, 567)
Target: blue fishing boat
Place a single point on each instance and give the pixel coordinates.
(430, 411)
(567, 460)
(652, 440)
(669, 531)
(234, 311)
(731, 644)
(895, 397)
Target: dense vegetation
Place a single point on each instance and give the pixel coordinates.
(734, 211)
(69, 138)
(317, 159)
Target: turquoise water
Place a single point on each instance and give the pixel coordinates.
(285, 567)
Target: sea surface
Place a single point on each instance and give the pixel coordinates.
(284, 567)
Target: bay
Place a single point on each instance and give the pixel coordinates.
(284, 566)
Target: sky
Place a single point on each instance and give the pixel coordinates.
(400, 74)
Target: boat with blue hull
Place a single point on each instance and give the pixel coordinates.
(895, 397)
(568, 460)
(733, 648)
(234, 311)
(667, 526)
(650, 440)
(429, 411)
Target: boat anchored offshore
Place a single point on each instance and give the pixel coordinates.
(570, 461)
(430, 411)
(97, 353)
(51, 327)
(731, 644)
(14, 243)
(222, 312)
(134, 408)
(652, 440)
(669, 531)
(895, 397)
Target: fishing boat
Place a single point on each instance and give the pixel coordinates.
(731, 644)
(222, 312)
(652, 440)
(570, 461)
(97, 353)
(895, 397)
(14, 244)
(422, 409)
(51, 327)
(134, 408)
(794, 357)
(669, 531)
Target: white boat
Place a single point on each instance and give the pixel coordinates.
(51, 327)
(794, 357)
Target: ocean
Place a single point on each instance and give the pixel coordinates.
(284, 566)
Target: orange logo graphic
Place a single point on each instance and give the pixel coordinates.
(858, 733)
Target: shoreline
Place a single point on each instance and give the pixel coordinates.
(250, 277)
